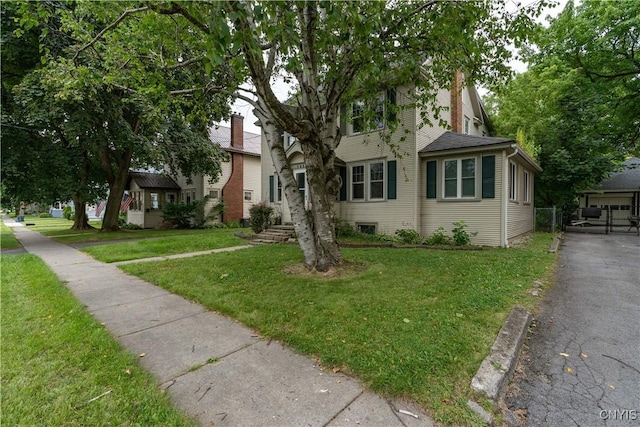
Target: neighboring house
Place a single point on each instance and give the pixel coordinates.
(619, 193)
(443, 177)
(150, 192)
(238, 187)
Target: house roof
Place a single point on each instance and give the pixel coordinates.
(456, 141)
(451, 142)
(626, 179)
(153, 180)
(221, 135)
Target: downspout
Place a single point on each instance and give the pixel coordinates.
(505, 196)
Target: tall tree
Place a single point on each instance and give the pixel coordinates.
(579, 101)
(335, 53)
(133, 98)
(338, 52)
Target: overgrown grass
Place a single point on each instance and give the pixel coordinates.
(414, 323)
(187, 241)
(56, 359)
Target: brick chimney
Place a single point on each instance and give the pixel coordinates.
(456, 102)
(233, 190)
(237, 130)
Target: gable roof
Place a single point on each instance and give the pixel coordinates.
(221, 135)
(458, 141)
(626, 179)
(153, 180)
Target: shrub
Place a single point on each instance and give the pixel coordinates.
(439, 238)
(260, 217)
(344, 229)
(461, 237)
(67, 212)
(408, 236)
(179, 215)
(44, 215)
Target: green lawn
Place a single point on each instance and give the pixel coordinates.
(7, 239)
(61, 367)
(186, 241)
(414, 323)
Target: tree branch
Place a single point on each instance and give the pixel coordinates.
(109, 27)
(176, 9)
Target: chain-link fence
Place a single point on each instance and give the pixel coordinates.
(546, 219)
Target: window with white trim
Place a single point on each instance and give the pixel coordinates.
(513, 181)
(357, 182)
(214, 194)
(155, 200)
(367, 117)
(368, 181)
(248, 195)
(288, 140)
(460, 178)
(467, 125)
(527, 187)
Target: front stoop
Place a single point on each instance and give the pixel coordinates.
(276, 234)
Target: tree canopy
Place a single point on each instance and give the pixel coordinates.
(579, 101)
(136, 95)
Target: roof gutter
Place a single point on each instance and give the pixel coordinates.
(505, 196)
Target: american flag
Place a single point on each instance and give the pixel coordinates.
(100, 207)
(126, 201)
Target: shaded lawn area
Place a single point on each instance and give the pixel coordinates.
(169, 243)
(7, 239)
(414, 323)
(56, 359)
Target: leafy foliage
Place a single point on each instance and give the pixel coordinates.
(579, 102)
(179, 215)
(261, 217)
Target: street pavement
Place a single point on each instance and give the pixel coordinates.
(215, 369)
(581, 364)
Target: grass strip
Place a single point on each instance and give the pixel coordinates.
(158, 246)
(61, 367)
(412, 323)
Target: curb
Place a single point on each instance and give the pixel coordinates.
(496, 369)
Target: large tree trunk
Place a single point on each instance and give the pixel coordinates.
(316, 231)
(117, 182)
(80, 219)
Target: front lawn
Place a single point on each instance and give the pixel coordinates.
(61, 367)
(414, 323)
(185, 241)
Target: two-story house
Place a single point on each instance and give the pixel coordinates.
(238, 187)
(446, 174)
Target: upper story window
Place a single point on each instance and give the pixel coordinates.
(288, 140)
(466, 125)
(367, 117)
(460, 178)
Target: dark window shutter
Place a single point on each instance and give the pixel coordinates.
(489, 177)
(343, 119)
(271, 188)
(432, 175)
(391, 99)
(391, 180)
(343, 188)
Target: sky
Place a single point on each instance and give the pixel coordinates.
(282, 90)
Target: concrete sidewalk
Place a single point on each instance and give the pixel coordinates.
(218, 371)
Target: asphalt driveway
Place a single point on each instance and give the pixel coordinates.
(581, 362)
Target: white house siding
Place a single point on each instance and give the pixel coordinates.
(387, 215)
(519, 212)
(483, 216)
(252, 182)
(427, 134)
